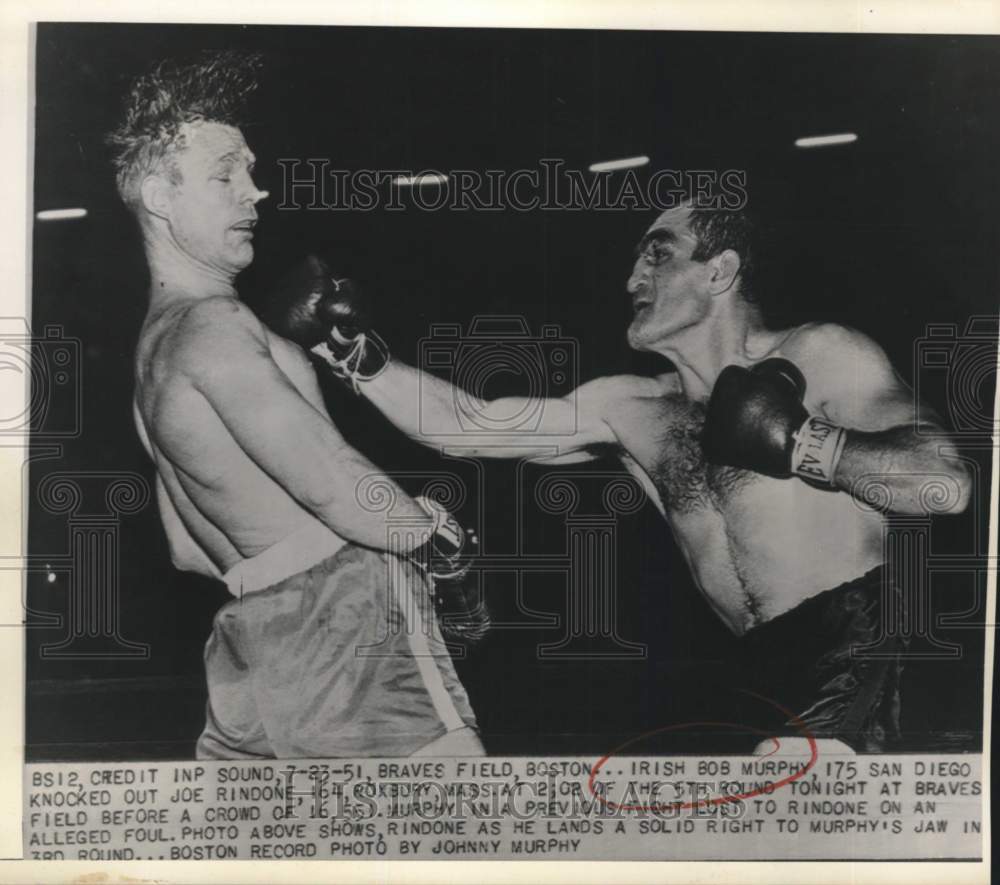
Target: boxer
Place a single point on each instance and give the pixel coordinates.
(330, 647)
(773, 455)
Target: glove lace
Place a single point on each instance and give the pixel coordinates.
(348, 367)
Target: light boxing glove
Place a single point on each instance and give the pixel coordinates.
(446, 558)
(329, 317)
(756, 420)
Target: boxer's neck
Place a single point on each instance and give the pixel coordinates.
(174, 274)
(730, 334)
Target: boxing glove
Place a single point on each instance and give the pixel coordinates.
(756, 420)
(446, 558)
(328, 316)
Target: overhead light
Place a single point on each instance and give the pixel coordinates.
(60, 214)
(419, 180)
(615, 165)
(813, 141)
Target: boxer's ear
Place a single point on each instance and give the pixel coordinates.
(725, 267)
(155, 191)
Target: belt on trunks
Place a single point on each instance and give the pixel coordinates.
(301, 550)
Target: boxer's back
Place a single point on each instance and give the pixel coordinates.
(217, 505)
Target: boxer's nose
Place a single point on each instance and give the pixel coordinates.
(637, 281)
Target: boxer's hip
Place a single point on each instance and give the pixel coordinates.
(299, 551)
(833, 662)
(344, 657)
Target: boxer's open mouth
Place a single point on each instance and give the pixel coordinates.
(248, 224)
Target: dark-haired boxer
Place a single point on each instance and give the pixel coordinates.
(331, 647)
(756, 450)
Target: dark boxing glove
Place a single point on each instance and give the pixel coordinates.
(446, 558)
(756, 420)
(329, 317)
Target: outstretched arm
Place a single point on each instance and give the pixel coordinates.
(329, 316)
(437, 413)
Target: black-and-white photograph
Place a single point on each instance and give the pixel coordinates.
(605, 413)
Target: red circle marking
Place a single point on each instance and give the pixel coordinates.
(736, 797)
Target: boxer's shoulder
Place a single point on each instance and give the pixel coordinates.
(825, 345)
(215, 333)
(841, 365)
(215, 317)
(836, 361)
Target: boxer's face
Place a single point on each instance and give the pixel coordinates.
(669, 290)
(212, 205)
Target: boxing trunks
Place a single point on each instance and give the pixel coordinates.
(328, 650)
(813, 662)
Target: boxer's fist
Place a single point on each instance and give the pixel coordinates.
(447, 559)
(328, 316)
(310, 305)
(754, 415)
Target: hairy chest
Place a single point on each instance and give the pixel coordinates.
(665, 438)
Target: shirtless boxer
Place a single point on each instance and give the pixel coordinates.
(766, 500)
(255, 484)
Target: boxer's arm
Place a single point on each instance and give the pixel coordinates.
(859, 390)
(226, 355)
(329, 317)
(436, 413)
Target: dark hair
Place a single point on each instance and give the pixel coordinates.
(720, 229)
(214, 88)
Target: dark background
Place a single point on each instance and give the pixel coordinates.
(889, 234)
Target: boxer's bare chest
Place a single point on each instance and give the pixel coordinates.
(701, 501)
(663, 435)
(756, 545)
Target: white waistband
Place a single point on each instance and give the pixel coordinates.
(301, 550)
